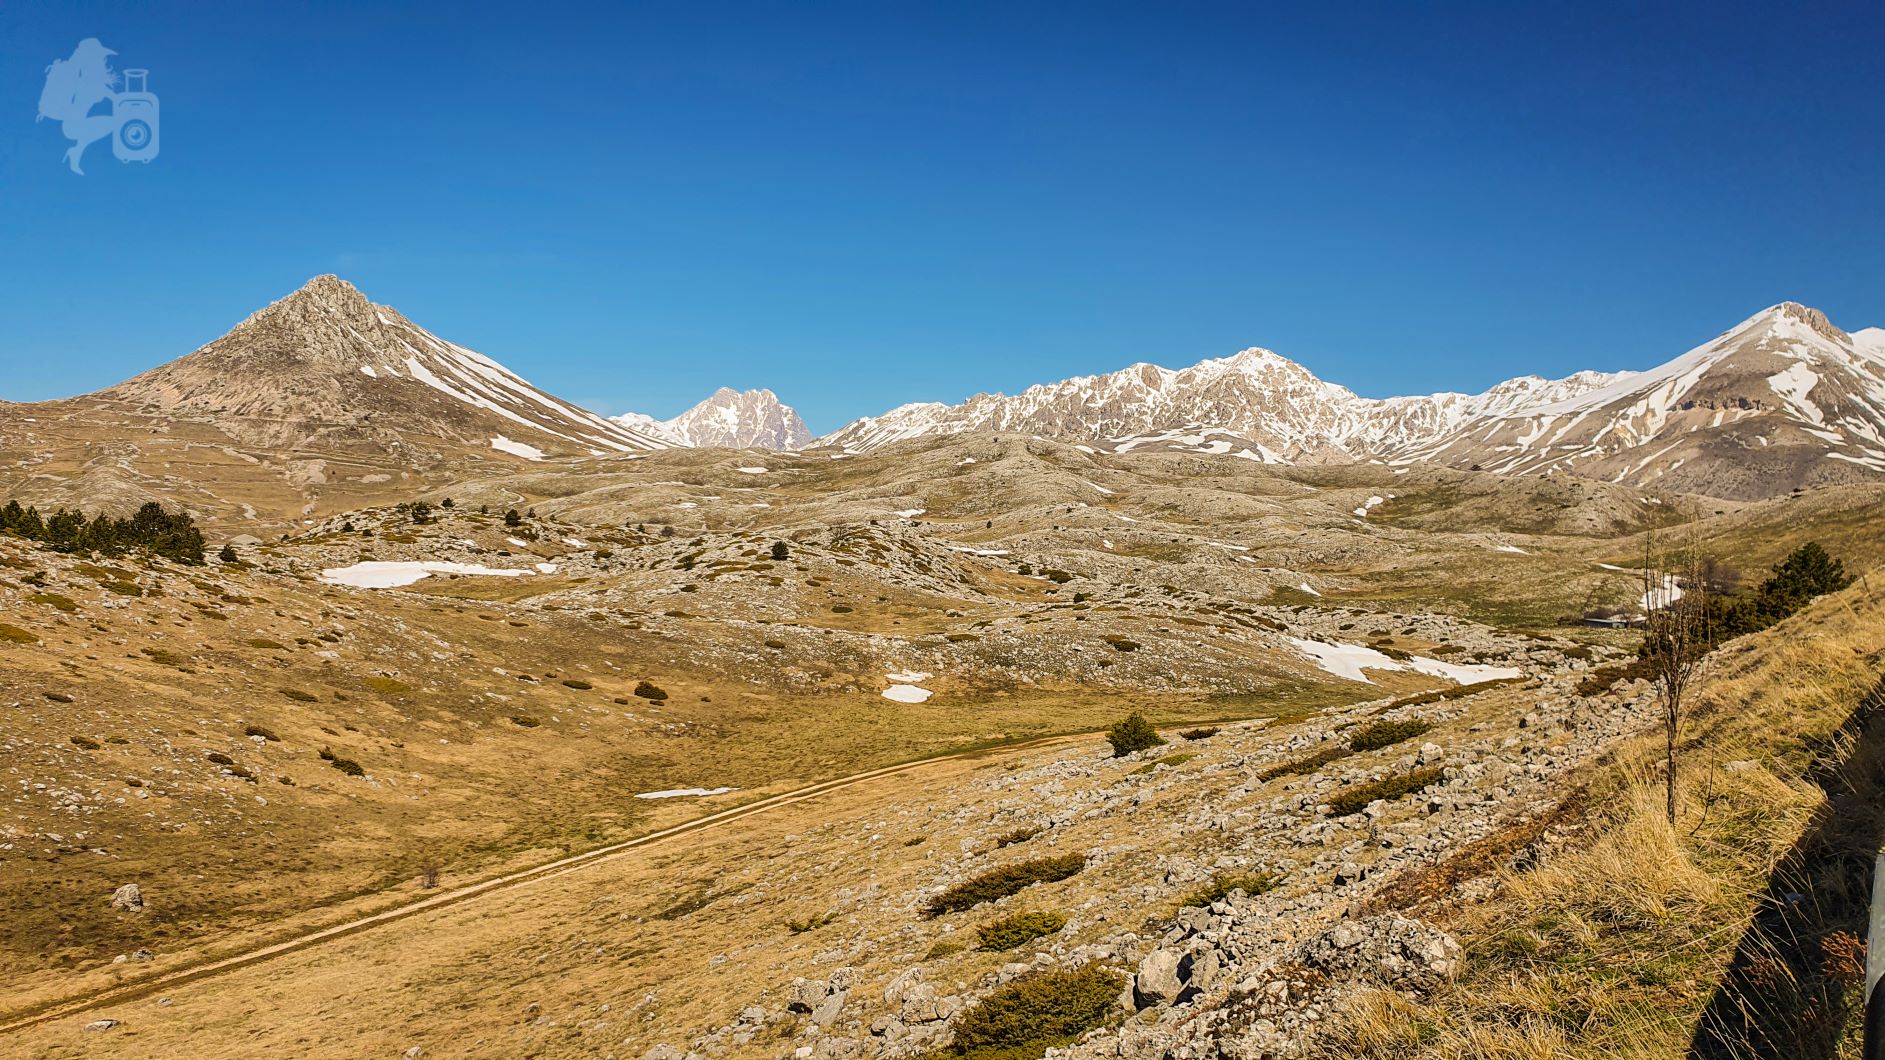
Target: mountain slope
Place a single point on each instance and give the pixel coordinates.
(1276, 409)
(325, 364)
(1783, 400)
(729, 419)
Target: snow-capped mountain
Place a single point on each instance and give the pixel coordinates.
(729, 419)
(1783, 399)
(1278, 409)
(326, 365)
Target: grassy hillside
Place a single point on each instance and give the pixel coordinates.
(1737, 932)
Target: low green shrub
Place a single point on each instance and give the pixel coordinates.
(299, 696)
(85, 743)
(800, 927)
(1018, 929)
(1302, 767)
(578, 685)
(525, 721)
(1385, 734)
(1131, 734)
(1356, 799)
(16, 635)
(345, 765)
(650, 691)
(1200, 734)
(1002, 882)
(1040, 1012)
(257, 730)
(1221, 886)
(1168, 760)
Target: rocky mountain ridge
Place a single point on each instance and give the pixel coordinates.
(729, 419)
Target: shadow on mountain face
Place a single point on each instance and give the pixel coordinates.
(1797, 977)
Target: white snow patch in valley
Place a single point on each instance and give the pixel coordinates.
(1348, 660)
(908, 677)
(518, 541)
(907, 694)
(1310, 589)
(979, 551)
(1655, 599)
(574, 542)
(965, 460)
(391, 574)
(683, 793)
(547, 568)
(367, 370)
(752, 470)
(1514, 549)
(505, 445)
(1366, 508)
(910, 513)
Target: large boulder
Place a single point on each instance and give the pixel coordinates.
(1390, 951)
(128, 898)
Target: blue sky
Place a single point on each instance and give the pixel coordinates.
(864, 204)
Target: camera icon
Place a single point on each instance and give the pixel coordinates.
(134, 113)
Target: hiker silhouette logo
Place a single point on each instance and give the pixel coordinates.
(84, 95)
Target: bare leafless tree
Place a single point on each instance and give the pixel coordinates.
(1675, 603)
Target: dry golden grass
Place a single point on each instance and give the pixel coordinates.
(1614, 946)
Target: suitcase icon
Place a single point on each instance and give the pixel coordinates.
(135, 110)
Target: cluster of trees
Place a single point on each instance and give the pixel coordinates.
(1808, 572)
(152, 529)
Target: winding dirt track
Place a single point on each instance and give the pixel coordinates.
(546, 871)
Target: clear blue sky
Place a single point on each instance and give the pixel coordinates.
(864, 204)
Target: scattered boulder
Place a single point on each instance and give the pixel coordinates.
(128, 898)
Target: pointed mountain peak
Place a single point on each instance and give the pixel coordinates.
(1807, 316)
(730, 419)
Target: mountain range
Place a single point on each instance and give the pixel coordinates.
(1783, 400)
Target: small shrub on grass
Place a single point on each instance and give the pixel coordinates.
(387, 686)
(945, 948)
(1356, 799)
(800, 927)
(1002, 882)
(1121, 643)
(265, 644)
(1040, 1012)
(1018, 929)
(1168, 760)
(16, 635)
(1221, 886)
(299, 696)
(54, 601)
(1302, 767)
(578, 685)
(525, 721)
(85, 743)
(1385, 734)
(220, 759)
(1200, 734)
(1132, 734)
(776, 645)
(257, 730)
(649, 691)
(345, 765)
